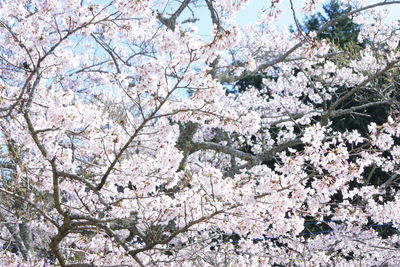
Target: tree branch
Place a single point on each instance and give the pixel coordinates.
(171, 21)
(323, 28)
(223, 149)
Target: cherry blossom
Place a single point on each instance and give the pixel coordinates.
(121, 146)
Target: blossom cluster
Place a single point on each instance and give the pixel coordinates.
(124, 147)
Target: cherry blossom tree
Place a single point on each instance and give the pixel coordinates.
(121, 147)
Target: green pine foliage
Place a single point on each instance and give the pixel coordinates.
(343, 34)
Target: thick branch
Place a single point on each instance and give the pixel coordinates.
(223, 149)
(342, 112)
(185, 141)
(171, 21)
(270, 154)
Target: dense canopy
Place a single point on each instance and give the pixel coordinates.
(129, 139)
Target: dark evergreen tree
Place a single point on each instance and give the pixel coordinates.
(342, 34)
